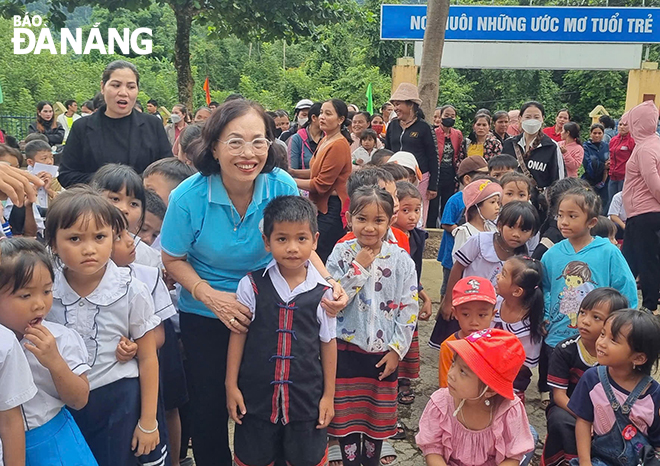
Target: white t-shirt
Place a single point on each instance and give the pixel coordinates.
(466, 231)
(47, 403)
(16, 383)
(360, 155)
(119, 306)
(521, 329)
(616, 207)
(146, 255)
(479, 257)
(245, 295)
(150, 276)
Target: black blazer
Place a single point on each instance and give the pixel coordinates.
(84, 150)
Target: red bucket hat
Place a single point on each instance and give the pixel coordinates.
(494, 355)
(473, 289)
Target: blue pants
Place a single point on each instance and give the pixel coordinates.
(109, 420)
(59, 442)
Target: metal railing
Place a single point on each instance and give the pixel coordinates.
(16, 125)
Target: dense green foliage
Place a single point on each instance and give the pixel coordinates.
(339, 60)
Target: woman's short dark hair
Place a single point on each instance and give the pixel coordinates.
(564, 110)
(596, 126)
(445, 107)
(643, 335)
(201, 150)
(532, 103)
(19, 258)
(119, 65)
(519, 211)
(573, 130)
(500, 114)
(80, 201)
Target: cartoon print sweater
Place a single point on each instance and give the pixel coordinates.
(383, 305)
(569, 276)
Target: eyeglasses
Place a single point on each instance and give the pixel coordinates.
(236, 146)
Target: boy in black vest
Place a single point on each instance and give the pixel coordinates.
(281, 374)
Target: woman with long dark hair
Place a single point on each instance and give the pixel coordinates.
(46, 124)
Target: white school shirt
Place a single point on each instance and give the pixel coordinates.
(245, 295)
(150, 276)
(16, 383)
(521, 329)
(616, 207)
(47, 403)
(466, 231)
(119, 306)
(146, 255)
(479, 257)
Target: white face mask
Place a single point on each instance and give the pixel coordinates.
(302, 121)
(175, 118)
(531, 126)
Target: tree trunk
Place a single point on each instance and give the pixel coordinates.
(434, 40)
(184, 78)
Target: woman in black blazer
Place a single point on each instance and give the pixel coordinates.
(114, 133)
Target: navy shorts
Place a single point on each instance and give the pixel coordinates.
(109, 420)
(172, 375)
(259, 442)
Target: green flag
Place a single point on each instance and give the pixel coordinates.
(2, 99)
(370, 99)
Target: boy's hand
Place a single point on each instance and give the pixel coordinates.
(42, 345)
(326, 412)
(365, 257)
(47, 178)
(391, 362)
(236, 404)
(426, 310)
(142, 443)
(126, 350)
(445, 309)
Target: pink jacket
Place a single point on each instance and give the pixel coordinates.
(572, 157)
(641, 190)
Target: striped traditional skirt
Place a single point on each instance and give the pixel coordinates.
(363, 404)
(409, 365)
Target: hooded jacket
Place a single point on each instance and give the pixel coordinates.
(569, 276)
(641, 190)
(621, 148)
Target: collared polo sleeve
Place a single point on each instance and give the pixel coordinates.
(177, 234)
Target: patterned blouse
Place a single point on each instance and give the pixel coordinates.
(383, 304)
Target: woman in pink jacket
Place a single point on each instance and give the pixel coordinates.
(641, 199)
(571, 148)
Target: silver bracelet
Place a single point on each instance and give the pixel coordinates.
(147, 431)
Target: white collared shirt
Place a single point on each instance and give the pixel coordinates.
(119, 306)
(47, 403)
(245, 295)
(16, 383)
(150, 276)
(146, 255)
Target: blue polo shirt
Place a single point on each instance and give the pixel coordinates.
(451, 215)
(202, 225)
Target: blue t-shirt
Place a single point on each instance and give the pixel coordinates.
(202, 225)
(589, 398)
(569, 276)
(450, 216)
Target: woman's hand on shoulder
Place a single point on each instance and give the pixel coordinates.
(224, 305)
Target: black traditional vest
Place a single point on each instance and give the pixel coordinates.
(281, 377)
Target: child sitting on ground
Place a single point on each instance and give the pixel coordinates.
(568, 362)
(473, 306)
(285, 417)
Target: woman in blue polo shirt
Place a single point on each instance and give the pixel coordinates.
(210, 240)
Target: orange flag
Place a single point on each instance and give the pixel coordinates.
(208, 93)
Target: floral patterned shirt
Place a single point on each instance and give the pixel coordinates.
(383, 304)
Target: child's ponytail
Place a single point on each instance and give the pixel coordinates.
(529, 277)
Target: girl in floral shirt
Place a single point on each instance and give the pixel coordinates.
(374, 331)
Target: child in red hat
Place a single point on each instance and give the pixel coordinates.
(477, 419)
(473, 305)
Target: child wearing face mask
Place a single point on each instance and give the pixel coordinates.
(538, 156)
(482, 206)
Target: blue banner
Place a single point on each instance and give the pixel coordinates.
(527, 24)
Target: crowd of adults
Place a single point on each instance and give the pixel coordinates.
(211, 236)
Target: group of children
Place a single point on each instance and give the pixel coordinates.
(90, 325)
(90, 366)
